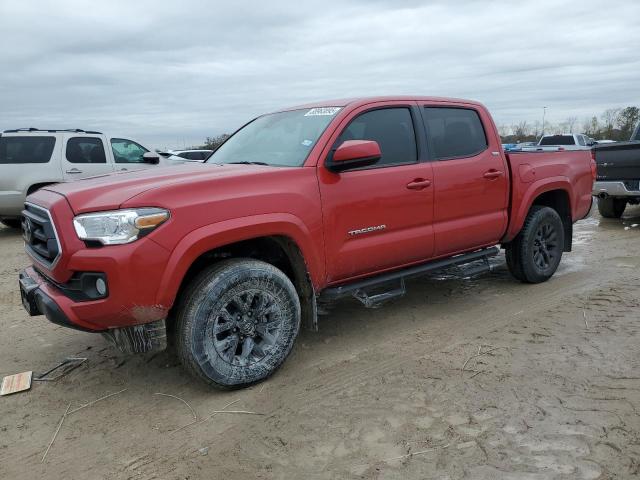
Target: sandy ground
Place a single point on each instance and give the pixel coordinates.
(379, 393)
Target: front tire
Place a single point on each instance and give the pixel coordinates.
(534, 255)
(611, 207)
(237, 322)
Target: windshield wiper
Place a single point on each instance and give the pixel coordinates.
(247, 163)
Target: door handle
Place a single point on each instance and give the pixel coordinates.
(74, 170)
(491, 174)
(418, 184)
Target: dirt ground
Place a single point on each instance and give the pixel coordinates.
(550, 386)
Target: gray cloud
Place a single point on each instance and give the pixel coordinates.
(174, 72)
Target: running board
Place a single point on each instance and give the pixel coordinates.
(358, 289)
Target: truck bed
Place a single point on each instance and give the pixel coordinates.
(533, 172)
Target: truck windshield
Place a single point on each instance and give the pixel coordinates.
(558, 140)
(279, 139)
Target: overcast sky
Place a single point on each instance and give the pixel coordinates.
(169, 73)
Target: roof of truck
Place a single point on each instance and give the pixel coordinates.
(356, 101)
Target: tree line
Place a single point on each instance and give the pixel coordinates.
(612, 124)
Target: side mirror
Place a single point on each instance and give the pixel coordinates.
(354, 154)
(151, 158)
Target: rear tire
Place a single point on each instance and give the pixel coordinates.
(237, 322)
(611, 207)
(534, 255)
(11, 222)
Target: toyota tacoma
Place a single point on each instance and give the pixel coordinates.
(228, 258)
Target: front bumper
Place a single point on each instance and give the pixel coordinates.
(613, 189)
(39, 299)
(37, 302)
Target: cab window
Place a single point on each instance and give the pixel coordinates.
(392, 128)
(127, 151)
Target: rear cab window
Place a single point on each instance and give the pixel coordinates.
(454, 132)
(26, 149)
(558, 140)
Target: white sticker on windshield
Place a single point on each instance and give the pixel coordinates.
(306, 143)
(322, 111)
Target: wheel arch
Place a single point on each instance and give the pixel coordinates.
(285, 248)
(38, 186)
(553, 193)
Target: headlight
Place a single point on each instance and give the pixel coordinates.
(119, 226)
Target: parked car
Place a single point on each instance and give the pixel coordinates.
(32, 158)
(300, 206)
(618, 179)
(191, 155)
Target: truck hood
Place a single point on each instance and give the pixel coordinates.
(109, 192)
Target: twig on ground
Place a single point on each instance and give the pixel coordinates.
(244, 412)
(262, 388)
(415, 453)
(584, 315)
(193, 412)
(477, 373)
(480, 353)
(96, 401)
(53, 439)
(206, 418)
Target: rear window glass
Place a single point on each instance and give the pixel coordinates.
(558, 140)
(32, 149)
(85, 150)
(454, 132)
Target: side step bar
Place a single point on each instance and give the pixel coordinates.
(358, 289)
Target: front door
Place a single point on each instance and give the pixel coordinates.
(83, 157)
(470, 178)
(378, 217)
(128, 155)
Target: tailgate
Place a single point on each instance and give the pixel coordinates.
(618, 161)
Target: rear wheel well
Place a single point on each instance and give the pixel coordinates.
(37, 186)
(279, 251)
(559, 201)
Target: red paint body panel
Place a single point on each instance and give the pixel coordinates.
(418, 212)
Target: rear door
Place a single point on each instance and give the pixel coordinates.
(378, 217)
(84, 156)
(470, 178)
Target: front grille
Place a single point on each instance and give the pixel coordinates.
(39, 235)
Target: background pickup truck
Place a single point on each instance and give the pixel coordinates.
(31, 158)
(564, 141)
(618, 179)
(297, 207)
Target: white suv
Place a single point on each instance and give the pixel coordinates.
(32, 158)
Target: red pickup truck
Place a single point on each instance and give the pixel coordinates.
(298, 207)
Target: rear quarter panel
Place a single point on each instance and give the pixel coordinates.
(534, 173)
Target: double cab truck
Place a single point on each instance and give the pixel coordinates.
(225, 260)
(618, 178)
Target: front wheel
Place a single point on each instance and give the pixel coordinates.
(534, 255)
(611, 207)
(237, 322)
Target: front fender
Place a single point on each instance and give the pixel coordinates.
(523, 199)
(216, 235)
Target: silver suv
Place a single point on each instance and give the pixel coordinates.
(31, 158)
